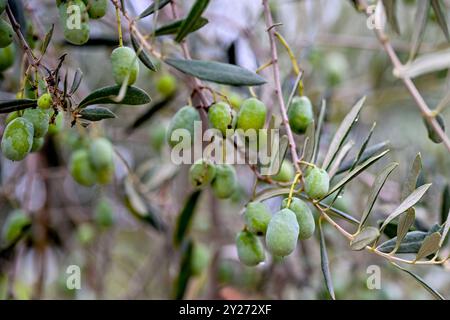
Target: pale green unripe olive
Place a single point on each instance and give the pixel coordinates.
(14, 225)
(38, 143)
(225, 181)
(40, 119)
(250, 249)
(45, 101)
(257, 217)
(185, 118)
(201, 173)
(286, 173)
(96, 8)
(7, 57)
(101, 153)
(17, 139)
(81, 169)
(166, 85)
(222, 117)
(104, 214)
(336, 66)
(300, 114)
(199, 259)
(13, 115)
(3, 4)
(304, 216)
(6, 34)
(251, 115)
(235, 100)
(75, 22)
(282, 233)
(85, 233)
(317, 183)
(124, 64)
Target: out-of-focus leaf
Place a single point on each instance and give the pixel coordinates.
(218, 72)
(390, 6)
(191, 20)
(413, 175)
(4, 286)
(107, 95)
(424, 64)
(146, 116)
(339, 158)
(440, 17)
(364, 238)
(185, 217)
(445, 206)
(320, 121)
(368, 153)
(376, 188)
(432, 134)
(411, 200)
(308, 146)
(432, 291)
(18, 104)
(142, 54)
(47, 39)
(185, 271)
(78, 76)
(445, 230)
(404, 224)
(421, 19)
(342, 133)
(96, 114)
(174, 27)
(429, 246)
(324, 263)
(156, 5)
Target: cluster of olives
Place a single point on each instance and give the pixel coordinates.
(222, 177)
(26, 130)
(93, 164)
(77, 31)
(7, 47)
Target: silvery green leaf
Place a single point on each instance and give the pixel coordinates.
(429, 246)
(324, 263)
(421, 19)
(424, 64)
(413, 175)
(364, 238)
(404, 224)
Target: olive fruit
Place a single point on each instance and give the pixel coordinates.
(85, 233)
(6, 34)
(304, 216)
(14, 225)
(199, 259)
(105, 175)
(96, 8)
(317, 183)
(101, 153)
(13, 115)
(124, 64)
(251, 115)
(221, 117)
(39, 118)
(38, 143)
(336, 67)
(17, 139)
(81, 169)
(225, 181)
(7, 57)
(202, 172)
(166, 85)
(286, 173)
(300, 114)
(45, 101)
(57, 126)
(183, 119)
(250, 249)
(282, 233)
(235, 100)
(257, 217)
(103, 214)
(3, 4)
(75, 31)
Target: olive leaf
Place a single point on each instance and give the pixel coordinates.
(390, 7)
(340, 157)
(404, 224)
(432, 134)
(342, 133)
(411, 200)
(218, 72)
(421, 19)
(156, 5)
(96, 114)
(46, 42)
(413, 175)
(378, 184)
(440, 17)
(191, 21)
(368, 153)
(77, 77)
(432, 291)
(107, 95)
(429, 246)
(364, 238)
(185, 271)
(175, 27)
(18, 104)
(142, 54)
(185, 217)
(320, 121)
(363, 147)
(445, 230)
(147, 115)
(445, 206)
(424, 64)
(324, 262)
(308, 145)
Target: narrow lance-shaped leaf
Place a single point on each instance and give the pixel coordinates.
(47, 39)
(185, 271)
(376, 188)
(411, 200)
(142, 54)
(339, 158)
(429, 246)
(156, 5)
(108, 95)
(320, 121)
(324, 263)
(174, 27)
(370, 152)
(77, 77)
(421, 19)
(308, 145)
(364, 238)
(16, 105)
(96, 114)
(404, 224)
(185, 217)
(413, 175)
(424, 64)
(445, 230)
(432, 291)
(440, 17)
(342, 133)
(445, 206)
(390, 6)
(218, 72)
(190, 22)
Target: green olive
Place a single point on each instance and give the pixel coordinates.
(336, 66)
(282, 233)
(96, 8)
(300, 114)
(14, 226)
(286, 173)
(81, 169)
(104, 213)
(252, 115)
(124, 64)
(85, 233)
(7, 57)
(166, 85)
(304, 216)
(105, 175)
(317, 183)
(101, 153)
(221, 117)
(225, 181)
(40, 119)
(6, 34)
(38, 143)
(45, 101)
(185, 118)
(76, 28)
(257, 217)
(199, 259)
(201, 173)
(13, 115)
(250, 249)
(17, 139)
